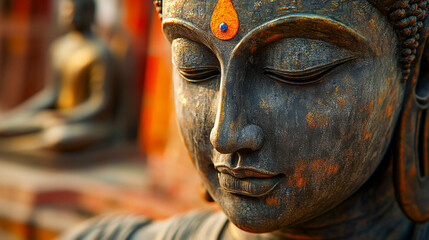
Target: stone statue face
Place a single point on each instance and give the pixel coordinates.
(76, 14)
(292, 115)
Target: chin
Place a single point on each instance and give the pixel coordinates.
(259, 225)
(252, 214)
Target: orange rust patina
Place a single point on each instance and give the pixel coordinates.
(315, 119)
(369, 110)
(341, 102)
(303, 169)
(273, 200)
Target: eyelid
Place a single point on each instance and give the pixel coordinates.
(305, 76)
(199, 74)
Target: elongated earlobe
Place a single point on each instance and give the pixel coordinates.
(412, 146)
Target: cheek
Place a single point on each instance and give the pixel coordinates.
(317, 123)
(338, 133)
(383, 112)
(315, 172)
(195, 105)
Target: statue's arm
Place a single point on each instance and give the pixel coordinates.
(44, 99)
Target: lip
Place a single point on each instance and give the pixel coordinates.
(247, 181)
(245, 172)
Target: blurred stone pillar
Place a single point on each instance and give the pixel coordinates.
(136, 20)
(25, 33)
(157, 100)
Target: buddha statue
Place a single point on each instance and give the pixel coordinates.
(304, 119)
(76, 108)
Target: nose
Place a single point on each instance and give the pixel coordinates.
(227, 140)
(231, 131)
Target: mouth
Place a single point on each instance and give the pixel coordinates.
(247, 181)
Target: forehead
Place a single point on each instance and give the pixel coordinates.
(359, 15)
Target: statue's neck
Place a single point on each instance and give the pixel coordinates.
(84, 31)
(371, 213)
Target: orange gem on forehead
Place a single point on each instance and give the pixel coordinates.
(224, 22)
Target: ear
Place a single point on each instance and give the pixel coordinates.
(411, 165)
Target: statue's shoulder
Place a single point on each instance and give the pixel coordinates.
(110, 226)
(194, 225)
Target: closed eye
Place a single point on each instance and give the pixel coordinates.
(306, 76)
(199, 74)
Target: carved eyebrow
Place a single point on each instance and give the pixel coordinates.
(177, 28)
(310, 26)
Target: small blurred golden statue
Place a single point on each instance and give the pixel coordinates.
(77, 108)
